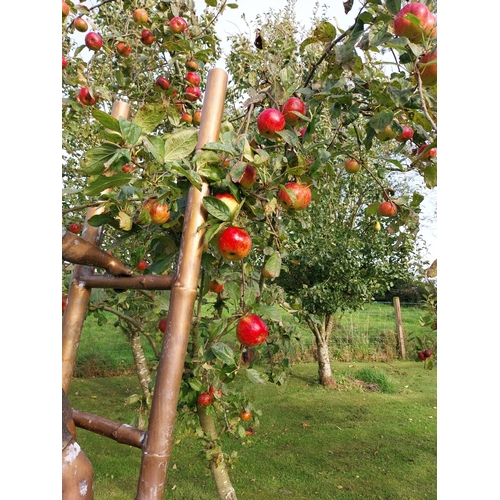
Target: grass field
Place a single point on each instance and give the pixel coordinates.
(312, 442)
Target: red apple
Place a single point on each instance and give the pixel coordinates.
(162, 325)
(193, 78)
(216, 287)
(291, 105)
(197, 117)
(147, 38)
(186, 117)
(64, 62)
(427, 353)
(140, 16)
(351, 166)
(421, 355)
(93, 40)
(251, 330)
(270, 121)
(159, 212)
(65, 9)
(177, 25)
(249, 177)
(431, 26)
(432, 152)
(230, 201)
(302, 194)
(127, 168)
(123, 49)
(64, 302)
(162, 83)
(80, 25)
(192, 93)
(85, 97)
(191, 65)
(234, 243)
(143, 264)
(74, 227)
(427, 67)
(204, 399)
(406, 135)
(405, 27)
(212, 390)
(245, 415)
(387, 209)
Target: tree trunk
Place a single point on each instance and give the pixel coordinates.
(141, 364)
(322, 336)
(218, 465)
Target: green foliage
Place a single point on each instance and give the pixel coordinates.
(376, 378)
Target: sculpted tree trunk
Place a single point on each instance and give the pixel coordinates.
(322, 331)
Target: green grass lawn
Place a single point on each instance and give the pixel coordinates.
(312, 442)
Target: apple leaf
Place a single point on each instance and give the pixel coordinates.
(432, 271)
(97, 157)
(272, 267)
(212, 3)
(124, 220)
(213, 228)
(156, 146)
(255, 377)
(348, 6)
(180, 144)
(106, 120)
(217, 208)
(372, 208)
(104, 182)
(393, 6)
(150, 116)
(192, 176)
(130, 131)
(196, 384)
(212, 172)
(289, 137)
(218, 146)
(379, 121)
(430, 176)
(223, 352)
(268, 312)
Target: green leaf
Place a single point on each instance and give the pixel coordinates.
(191, 176)
(223, 352)
(104, 182)
(106, 120)
(393, 6)
(217, 208)
(212, 172)
(96, 158)
(372, 208)
(156, 146)
(124, 220)
(150, 116)
(180, 145)
(289, 137)
(211, 3)
(273, 265)
(100, 219)
(255, 377)
(268, 312)
(324, 32)
(219, 146)
(232, 290)
(130, 131)
(213, 228)
(379, 121)
(430, 176)
(196, 384)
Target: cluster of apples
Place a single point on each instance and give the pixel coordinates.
(424, 354)
(405, 24)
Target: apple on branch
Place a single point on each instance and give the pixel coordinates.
(270, 121)
(251, 330)
(301, 192)
(234, 243)
(291, 105)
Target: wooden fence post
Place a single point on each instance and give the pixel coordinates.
(399, 327)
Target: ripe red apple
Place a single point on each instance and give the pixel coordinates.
(64, 62)
(387, 134)
(234, 243)
(93, 40)
(162, 83)
(214, 392)
(143, 264)
(85, 98)
(249, 177)
(192, 93)
(351, 166)
(387, 209)
(404, 27)
(406, 135)
(302, 194)
(427, 67)
(427, 353)
(205, 399)
(270, 121)
(74, 227)
(159, 212)
(162, 325)
(197, 117)
(432, 152)
(431, 26)
(80, 25)
(140, 16)
(123, 49)
(251, 330)
(245, 415)
(177, 24)
(421, 355)
(191, 65)
(230, 201)
(216, 287)
(291, 105)
(127, 168)
(193, 78)
(65, 9)
(147, 37)
(64, 302)
(186, 117)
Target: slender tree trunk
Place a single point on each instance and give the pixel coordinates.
(322, 336)
(218, 465)
(141, 364)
